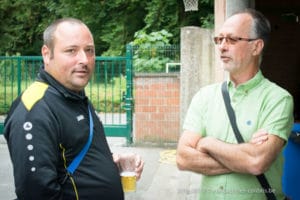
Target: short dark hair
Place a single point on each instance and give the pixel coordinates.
(48, 35)
(261, 25)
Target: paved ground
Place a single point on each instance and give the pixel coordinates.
(160, 180)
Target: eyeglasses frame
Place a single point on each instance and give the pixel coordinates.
(233, 41)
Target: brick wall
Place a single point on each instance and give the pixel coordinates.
(156, 107)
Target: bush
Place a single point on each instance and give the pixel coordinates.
(152, 51)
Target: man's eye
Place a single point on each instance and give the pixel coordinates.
(230, 39)
(219, 40)
(90, 51)
(72, 51)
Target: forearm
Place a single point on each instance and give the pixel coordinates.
(243, 158)
(233, 156)
(191, 159)
(196, 161)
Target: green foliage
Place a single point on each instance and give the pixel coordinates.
(159, 38)
(162, 15)
(156, 64)
(128, 18)
(113, 23)
(19, 30)
(208, 21)
(150, 53)
(107, 96)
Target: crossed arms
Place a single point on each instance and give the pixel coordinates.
(210, 156)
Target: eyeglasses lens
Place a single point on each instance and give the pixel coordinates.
(219, 40)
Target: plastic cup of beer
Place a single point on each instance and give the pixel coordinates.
(127, 172)
(128, 180)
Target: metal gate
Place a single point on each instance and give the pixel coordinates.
(110, 89)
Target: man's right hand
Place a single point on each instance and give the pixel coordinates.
(259, 137)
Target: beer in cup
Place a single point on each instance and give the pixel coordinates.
(127, 172)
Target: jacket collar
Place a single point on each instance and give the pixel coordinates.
(47, 78)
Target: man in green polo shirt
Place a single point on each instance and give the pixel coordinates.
(263, 113)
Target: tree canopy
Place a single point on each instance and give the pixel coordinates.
(113, 23)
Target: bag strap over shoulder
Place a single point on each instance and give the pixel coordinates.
(261, 178)
(75, 163)
(231, 113)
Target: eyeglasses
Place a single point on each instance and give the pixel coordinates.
(231, 40)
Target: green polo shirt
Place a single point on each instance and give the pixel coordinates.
(258, 104)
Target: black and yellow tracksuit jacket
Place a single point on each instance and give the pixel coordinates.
(46, 128)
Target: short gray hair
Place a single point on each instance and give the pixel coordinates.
(261, 25)
(48, 35)
(261, 28)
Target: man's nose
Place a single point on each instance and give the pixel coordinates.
(223, 44)
(83, 58)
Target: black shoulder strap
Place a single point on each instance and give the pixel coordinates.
(230, 113)
(261, 178)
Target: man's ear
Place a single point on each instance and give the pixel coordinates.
(46, 53)
(258, 47)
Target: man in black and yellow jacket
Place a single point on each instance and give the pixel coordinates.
(49, 124)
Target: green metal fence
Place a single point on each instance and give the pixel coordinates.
(110, 89)
(154, 58)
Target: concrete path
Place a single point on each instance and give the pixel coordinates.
(6, 173)
(160, 180)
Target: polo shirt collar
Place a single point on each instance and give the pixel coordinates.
(249, 84)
